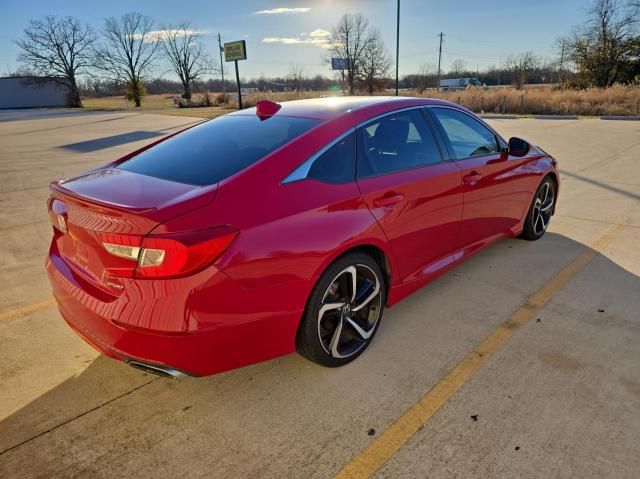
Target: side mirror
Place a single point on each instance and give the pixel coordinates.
(518, 147)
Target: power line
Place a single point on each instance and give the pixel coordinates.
(467, 54)
(488, 43)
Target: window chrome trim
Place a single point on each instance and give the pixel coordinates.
(382, 115)
(302, 171)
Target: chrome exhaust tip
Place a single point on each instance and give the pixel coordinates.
(158, 370)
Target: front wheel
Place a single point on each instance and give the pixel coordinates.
(343, 312)
(540, 211)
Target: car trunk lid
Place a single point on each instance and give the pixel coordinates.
(113, 201)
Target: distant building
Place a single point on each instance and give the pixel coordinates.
(30, 92)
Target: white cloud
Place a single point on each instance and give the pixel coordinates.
(317, 38)
(155, 35)
(282, 10)
(320, 33)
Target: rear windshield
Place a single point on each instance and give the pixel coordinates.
(215, 150)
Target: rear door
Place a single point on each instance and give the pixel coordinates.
(495, 191)
(414, 193)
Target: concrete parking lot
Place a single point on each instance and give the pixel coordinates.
(522, 362)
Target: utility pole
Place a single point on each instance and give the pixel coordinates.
(439, 60)
(239, 89)
(561, 60)
(224, 88)
(397, 44)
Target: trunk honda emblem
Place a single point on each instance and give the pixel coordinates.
(62, 224)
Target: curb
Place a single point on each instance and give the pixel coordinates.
(620, 118)
(556, 117)
(500, 117)
(559, 117)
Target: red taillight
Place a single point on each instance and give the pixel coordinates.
(166, 256)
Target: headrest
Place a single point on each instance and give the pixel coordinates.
(391, 133)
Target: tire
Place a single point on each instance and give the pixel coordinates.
(540, 211)
(333, 305)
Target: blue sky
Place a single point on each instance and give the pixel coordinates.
(479, 32)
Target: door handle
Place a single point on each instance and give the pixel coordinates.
(388, 199)
(472, 177)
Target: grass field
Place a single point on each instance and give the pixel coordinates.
(153, 104)
(617, 100)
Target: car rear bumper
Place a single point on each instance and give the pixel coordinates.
(226, 326)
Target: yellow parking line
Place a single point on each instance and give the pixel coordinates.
(26, 309)
(368, 461)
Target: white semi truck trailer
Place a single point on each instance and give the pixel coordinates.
(453, 84)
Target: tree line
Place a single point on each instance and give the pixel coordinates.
(605, 50)
(121, 56)
(123, 52)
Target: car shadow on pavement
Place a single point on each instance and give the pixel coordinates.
(109, 141)
(112, 413)
(602, 184)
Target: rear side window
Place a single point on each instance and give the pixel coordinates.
(336, 164)
(468, 137)
(396, 142)
(217, 149)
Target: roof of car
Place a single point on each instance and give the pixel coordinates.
(330, 107)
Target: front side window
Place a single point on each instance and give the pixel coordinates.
(395, 142)
(467, 137)
(217, 149)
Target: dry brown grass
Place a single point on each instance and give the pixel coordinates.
(250, 99)
(617, 100)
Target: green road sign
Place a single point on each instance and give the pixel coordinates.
(234, 51)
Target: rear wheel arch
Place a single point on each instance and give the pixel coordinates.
(308, 336)
(374, 251)
(379, 256)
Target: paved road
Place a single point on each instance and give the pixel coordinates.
(557, 395)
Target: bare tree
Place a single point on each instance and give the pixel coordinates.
(58, 48)
(521, 66)
(561, 62)
(129, 49)
(458, 67)
(606, 48)
(296, 76)
(185, 53)
(375, 62)
(348, 41)
(425, 77)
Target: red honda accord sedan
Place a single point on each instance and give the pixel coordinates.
(286, 227)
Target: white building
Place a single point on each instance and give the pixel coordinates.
(29, 92)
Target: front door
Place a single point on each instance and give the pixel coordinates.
(414, 193)
(495, 190)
